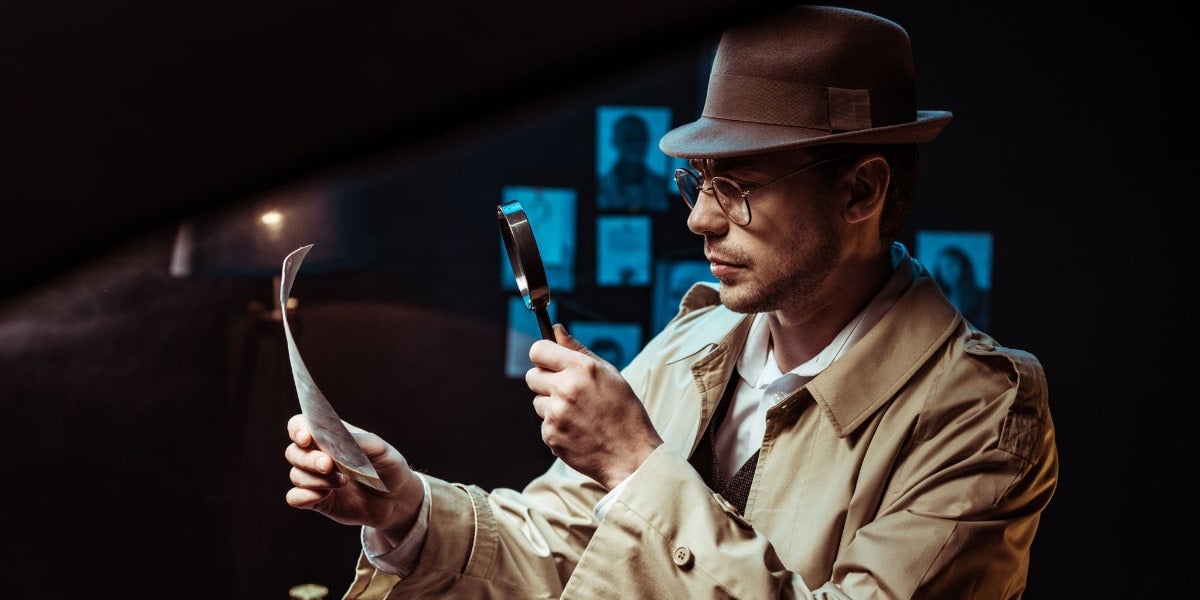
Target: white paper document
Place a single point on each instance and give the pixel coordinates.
(327, 427)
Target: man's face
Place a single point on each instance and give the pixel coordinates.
(784, 256)
(631, 139)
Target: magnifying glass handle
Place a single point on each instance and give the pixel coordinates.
(543, 319)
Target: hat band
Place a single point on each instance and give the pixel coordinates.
(797, 104)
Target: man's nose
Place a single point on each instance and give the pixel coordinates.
(706, 216)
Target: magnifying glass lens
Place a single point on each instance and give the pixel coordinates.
(526, 262)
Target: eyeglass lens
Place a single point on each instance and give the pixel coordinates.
(728, 194)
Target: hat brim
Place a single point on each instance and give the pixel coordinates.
(709, 137)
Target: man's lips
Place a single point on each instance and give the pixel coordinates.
(722, 267)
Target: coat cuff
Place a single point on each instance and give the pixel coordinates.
(454, 546)
(462, 530)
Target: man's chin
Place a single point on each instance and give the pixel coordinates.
(738, 302)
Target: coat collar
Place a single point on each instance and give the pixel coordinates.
(870, 373)
(855, 385)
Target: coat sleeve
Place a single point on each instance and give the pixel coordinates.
(967, 490)
(498, 544)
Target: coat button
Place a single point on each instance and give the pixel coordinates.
(682, 557)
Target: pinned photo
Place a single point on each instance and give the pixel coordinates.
(632, 174)
(961, 263)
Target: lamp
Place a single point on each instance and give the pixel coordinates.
(251, 239)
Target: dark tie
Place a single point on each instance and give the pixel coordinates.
(735, 489)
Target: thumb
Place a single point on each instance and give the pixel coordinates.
(372, 445)
(566, 340)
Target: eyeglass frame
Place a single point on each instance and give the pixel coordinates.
(743, 194)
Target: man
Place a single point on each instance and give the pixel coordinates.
(823, 425)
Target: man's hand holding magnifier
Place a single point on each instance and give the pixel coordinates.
(591, 417)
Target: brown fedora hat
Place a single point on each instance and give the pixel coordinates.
(808, 75)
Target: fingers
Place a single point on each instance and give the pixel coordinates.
(551, 424)
(555, 421)
(555, 357)
(536, 379)
(303, 478)
(548, 355)
(541, 405)
(549, 437)
(309, 459)
(313, 475)
(301, 435)
(298, 431)
(305, 498)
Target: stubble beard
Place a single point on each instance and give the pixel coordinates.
(789, 280)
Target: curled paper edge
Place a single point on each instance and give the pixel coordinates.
(328, 429)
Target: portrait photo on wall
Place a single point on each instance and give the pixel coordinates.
(632, 174)
(551, 214)
(522, 332)
(623, 246)
(672, 279)
(961, 263)
(616, 343)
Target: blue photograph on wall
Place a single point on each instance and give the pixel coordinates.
(961, 263)
(632, 174)
(623, 249)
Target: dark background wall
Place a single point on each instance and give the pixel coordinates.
(144, 414)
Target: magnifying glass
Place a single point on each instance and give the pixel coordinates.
(526, 262)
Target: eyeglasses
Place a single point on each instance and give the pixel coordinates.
(733, 200)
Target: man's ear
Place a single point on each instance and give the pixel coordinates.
(868, 188)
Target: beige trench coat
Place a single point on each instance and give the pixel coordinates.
(915, 466)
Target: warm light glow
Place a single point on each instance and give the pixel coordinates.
(272, 218)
